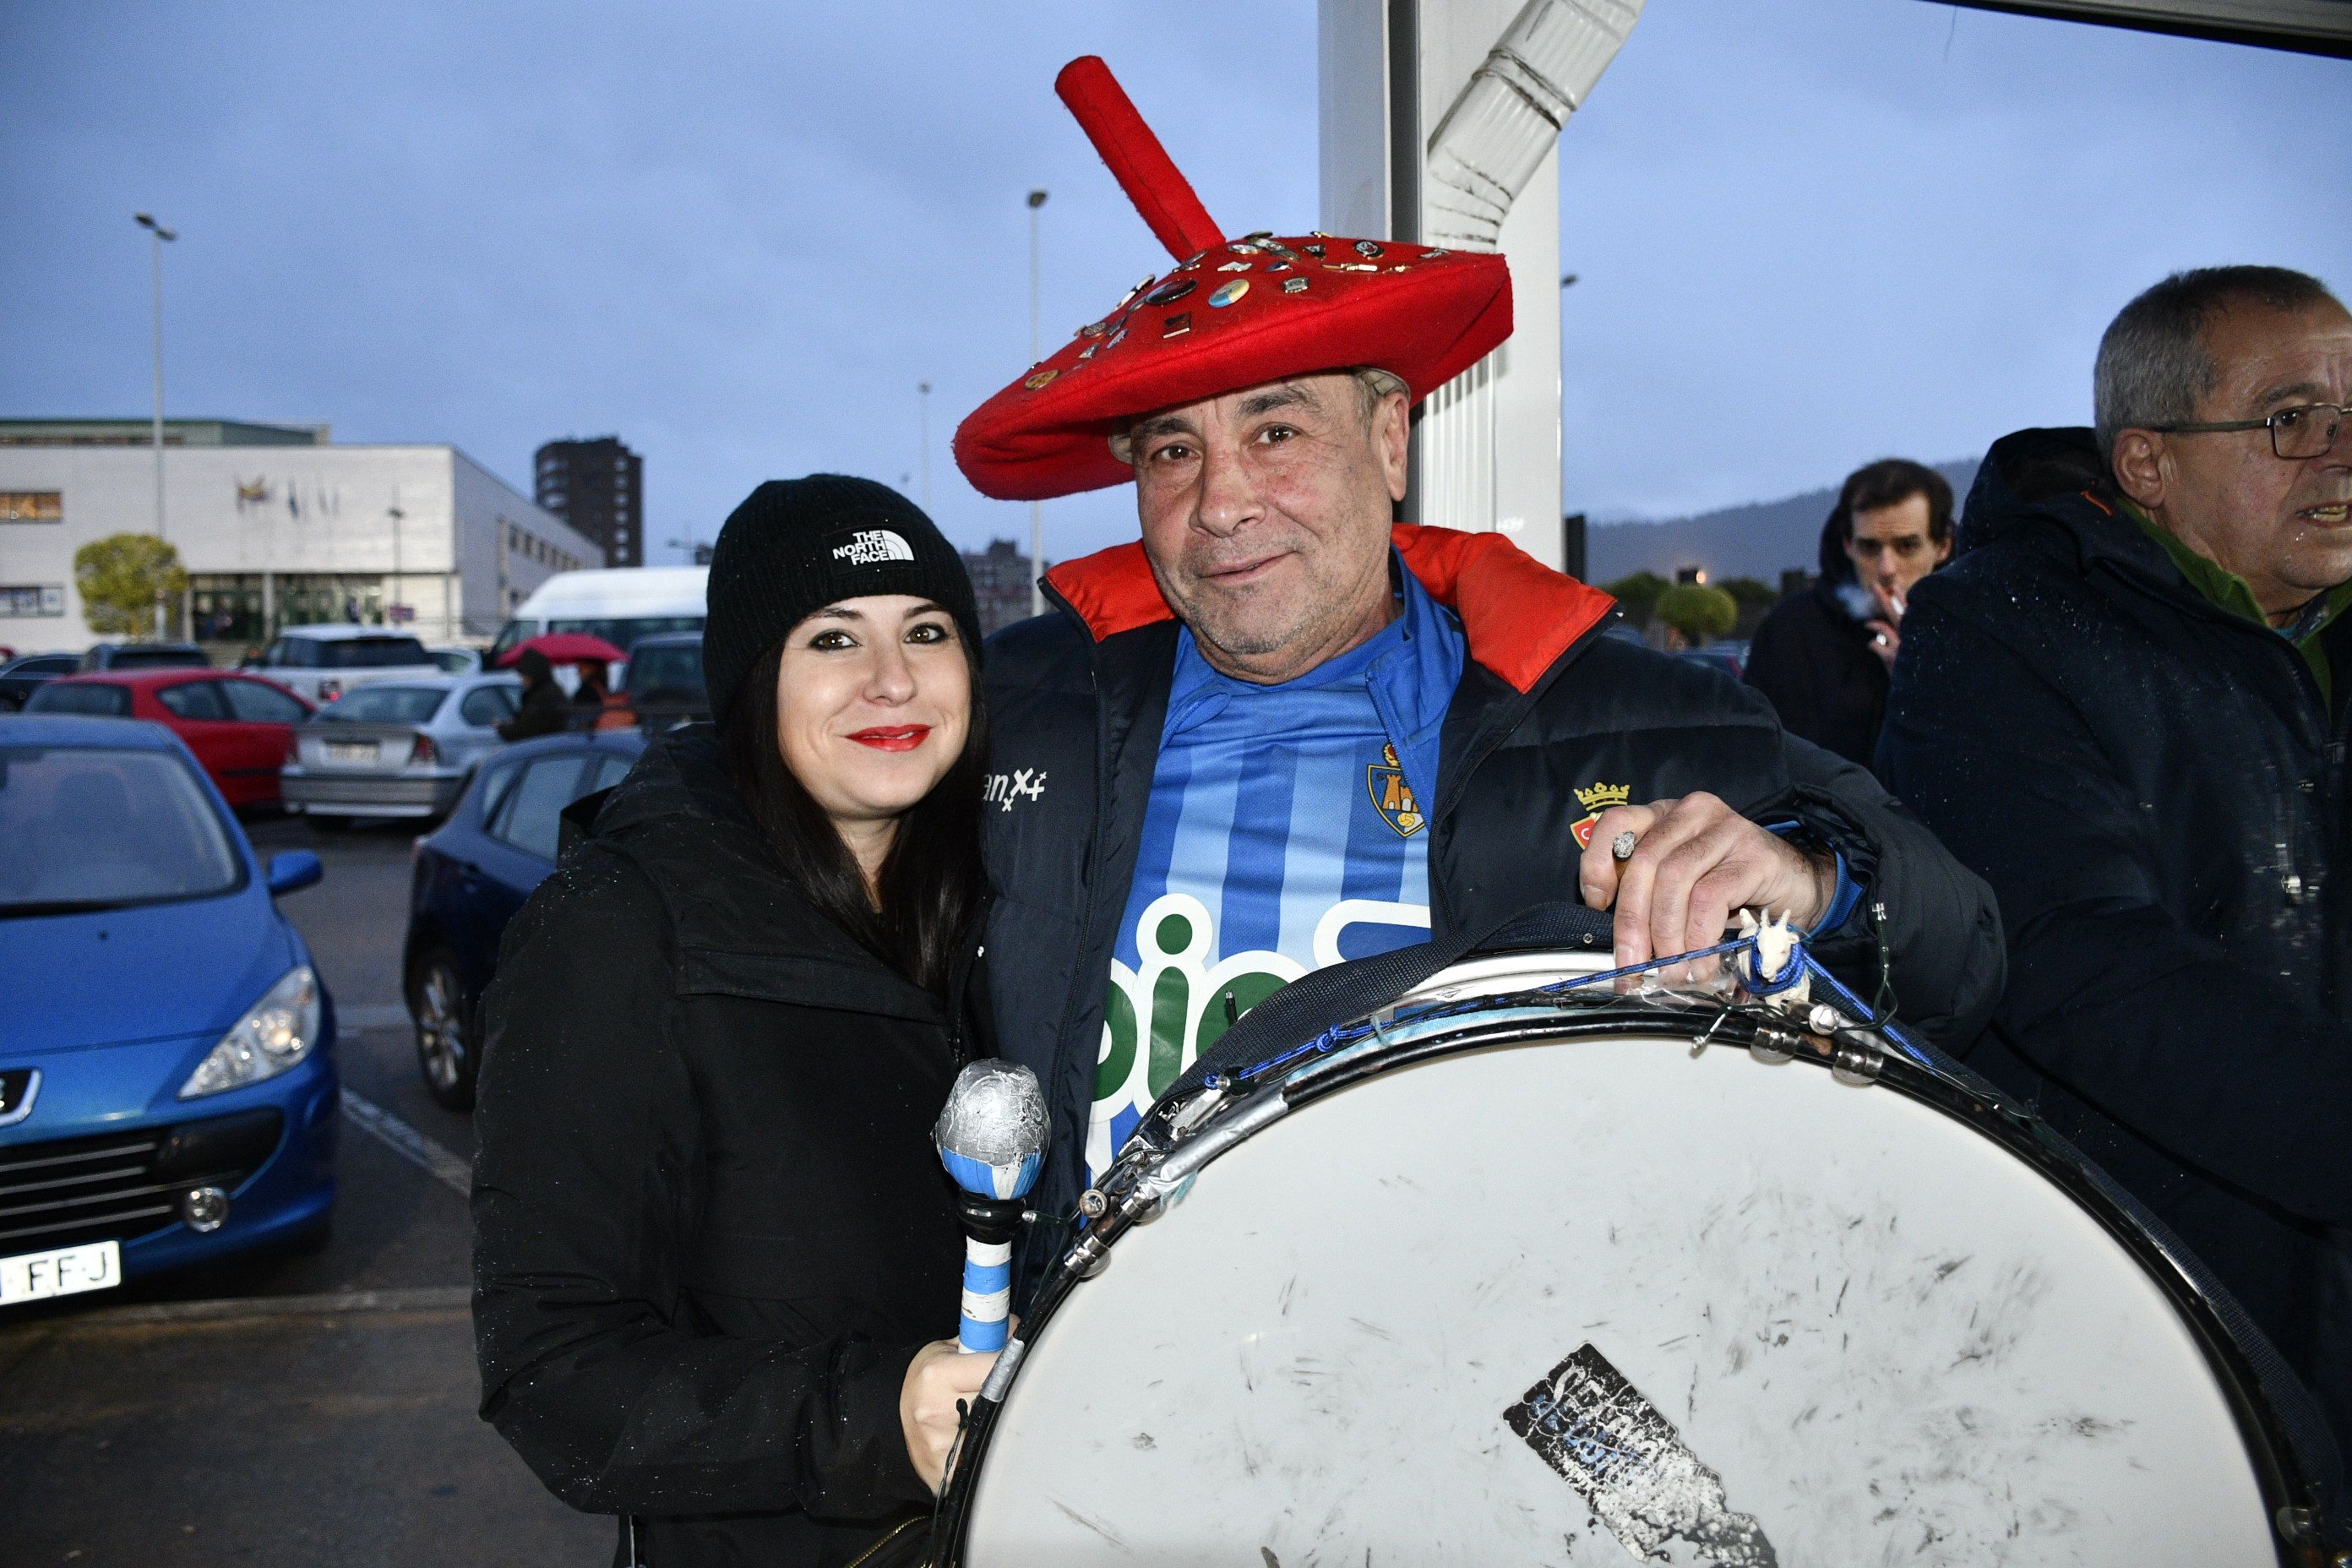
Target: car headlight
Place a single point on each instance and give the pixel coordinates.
(275, 1033)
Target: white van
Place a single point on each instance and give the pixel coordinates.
(619, 604)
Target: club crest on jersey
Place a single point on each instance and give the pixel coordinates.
(1595, 800)
(1391, 796)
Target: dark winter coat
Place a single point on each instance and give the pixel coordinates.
(2157, 792)
(542, 711)
(1811, 656)
(710, 1230)
(1545, 706)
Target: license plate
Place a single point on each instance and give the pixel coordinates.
(68, 1271)
(351, 751)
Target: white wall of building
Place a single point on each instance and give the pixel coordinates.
(465, 545)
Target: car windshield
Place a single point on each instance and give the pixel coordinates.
(674, 671)
(91, 827)
(370, 652)
(103, 698)
(386, 705)
(157, 658)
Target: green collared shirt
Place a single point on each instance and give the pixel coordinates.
(2229, 591)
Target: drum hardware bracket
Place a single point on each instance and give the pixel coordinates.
(1858, 1062)
(1773, 1043)
(1092, 1203)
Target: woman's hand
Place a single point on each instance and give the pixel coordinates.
(938, 1376)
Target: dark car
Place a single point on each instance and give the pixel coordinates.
(21, 676)
(144, 656)
(665, 684)
(475, 872)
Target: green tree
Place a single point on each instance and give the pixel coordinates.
(122, 577)
(1639, 593)
(1750, 595)
(1699, 611)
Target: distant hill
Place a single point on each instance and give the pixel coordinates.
(1761, 540)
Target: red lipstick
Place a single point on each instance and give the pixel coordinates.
(894, 737)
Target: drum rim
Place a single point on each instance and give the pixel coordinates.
(2286, 1488)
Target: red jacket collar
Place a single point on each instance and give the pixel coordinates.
(1519, 615)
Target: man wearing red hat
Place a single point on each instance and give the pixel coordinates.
(1282, 730)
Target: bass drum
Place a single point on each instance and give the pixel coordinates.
(1536, 1281)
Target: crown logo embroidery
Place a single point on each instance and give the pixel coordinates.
(1595, 800)
(1601, 796)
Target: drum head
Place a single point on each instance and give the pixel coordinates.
(1594, 1300)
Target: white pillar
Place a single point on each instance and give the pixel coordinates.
(1438, 118)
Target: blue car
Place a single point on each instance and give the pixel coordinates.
(475, 872)
(167, 1073)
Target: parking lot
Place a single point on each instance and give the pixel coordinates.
(295, 1410)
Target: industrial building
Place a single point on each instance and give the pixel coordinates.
(276, 525)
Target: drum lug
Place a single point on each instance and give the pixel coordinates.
(1092, 1203)
(1774, 1043)
(1090, 1258)
(2299, 1526)
(1856, 1064)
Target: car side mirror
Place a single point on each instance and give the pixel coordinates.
(292, 871)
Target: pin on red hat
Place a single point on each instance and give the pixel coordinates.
(1231, 314)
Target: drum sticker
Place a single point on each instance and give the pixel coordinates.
(1631, 1468)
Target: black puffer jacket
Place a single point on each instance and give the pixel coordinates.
(1547, 706)
(710, 1230)
(1812, 657)
(2157, 792)
(542, 711)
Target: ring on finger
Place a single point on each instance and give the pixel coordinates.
(1621, 847)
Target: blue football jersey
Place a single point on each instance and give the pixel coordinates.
(1286, 831)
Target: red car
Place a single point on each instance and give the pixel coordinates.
(239, 726)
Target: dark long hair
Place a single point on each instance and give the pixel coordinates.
(931, 885)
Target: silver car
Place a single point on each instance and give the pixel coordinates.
(398, 748)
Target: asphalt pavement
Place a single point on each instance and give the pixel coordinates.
(297, 1410)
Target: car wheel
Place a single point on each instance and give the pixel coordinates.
(446, 1050)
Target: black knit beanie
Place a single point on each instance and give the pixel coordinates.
(797, 545)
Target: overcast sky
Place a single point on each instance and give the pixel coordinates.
(1807, 234)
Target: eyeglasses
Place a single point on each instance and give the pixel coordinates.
(2307, 430)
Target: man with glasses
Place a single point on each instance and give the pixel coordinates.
(2126, 706)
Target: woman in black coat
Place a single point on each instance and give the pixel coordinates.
(715, 1254)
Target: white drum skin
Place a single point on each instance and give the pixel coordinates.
(1892, 1340)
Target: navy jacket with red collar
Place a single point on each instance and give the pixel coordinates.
(1547, 706)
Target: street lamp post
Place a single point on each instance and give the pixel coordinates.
(158, 233)
(392, 607)
(1036, 511)
(923, 401)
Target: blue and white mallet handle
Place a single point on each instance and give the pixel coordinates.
(992, 1138)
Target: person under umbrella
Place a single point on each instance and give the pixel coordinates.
(543, 710)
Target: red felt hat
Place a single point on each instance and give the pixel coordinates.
(1231, 314)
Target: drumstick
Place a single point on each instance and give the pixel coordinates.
(992, 1138)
